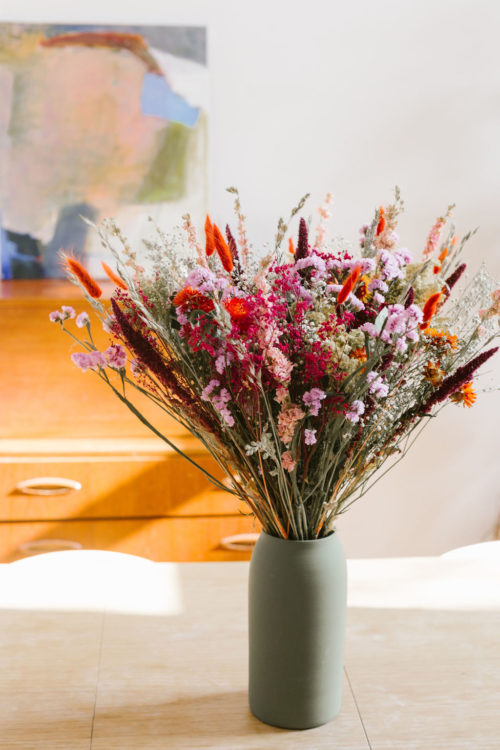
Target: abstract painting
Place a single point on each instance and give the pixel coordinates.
(95, 122)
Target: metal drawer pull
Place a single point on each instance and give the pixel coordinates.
(240, 542)
(47, 545)
(48, 486)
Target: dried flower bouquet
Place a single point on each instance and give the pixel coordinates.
(302, 372)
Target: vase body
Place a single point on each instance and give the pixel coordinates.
(297, 613)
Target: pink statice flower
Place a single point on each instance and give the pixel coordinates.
(402, 322)
(390, 264)
(432, 243)
(367, 265)
(81, 360)
(378, 388)
(89, 360)
(116, 356)
(356, 409)
(219, 400)
(181, 317)
(309, 437)
(97, 359)
(370, 329)
(378, 284)
(313, 399)
(223, 360)
(332, 263)
(287, 461)
(279, 365)
(403, 256)
(288, 419)
(333, 288)
(355, 302)
(315, 263)
(57, 316)
(205, 394)
(82, 320)
(281, 394)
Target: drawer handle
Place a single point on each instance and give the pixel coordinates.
(48, 486)
(47, 545)
(240, 542)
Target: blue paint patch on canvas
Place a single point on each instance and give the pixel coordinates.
(158, 100)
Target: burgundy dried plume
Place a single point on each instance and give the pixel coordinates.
(410, 298)
(142, 348)
(454, 277)
(462, 375)
(231, 243)
(147, 355)
(386, 361)
(302, 244)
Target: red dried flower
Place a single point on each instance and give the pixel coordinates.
(192, 299)
(238, 310)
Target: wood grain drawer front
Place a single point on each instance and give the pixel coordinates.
(44, 394)
(110, 487)
(166, 539)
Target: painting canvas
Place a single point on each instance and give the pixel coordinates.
(96, 121)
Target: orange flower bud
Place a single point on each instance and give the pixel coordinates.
(209, 234)
(83, 276)
(113, 276)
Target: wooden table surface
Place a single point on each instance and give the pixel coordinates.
(105, 651)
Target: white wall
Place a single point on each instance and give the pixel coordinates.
(355, 97)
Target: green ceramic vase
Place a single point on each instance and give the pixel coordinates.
(297, 613)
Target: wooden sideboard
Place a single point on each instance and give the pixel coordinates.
(78, 470)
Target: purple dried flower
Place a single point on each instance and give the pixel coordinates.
(454, 277)
(148, 357)
(386, 361)
(410, 298)
(302, 244)
(231, 243)
(142, 348)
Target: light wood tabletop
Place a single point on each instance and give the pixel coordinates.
(110, 652)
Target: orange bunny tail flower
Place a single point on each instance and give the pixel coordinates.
(209, 234)
(429, 309)
(222, 249)
(117, 281)
(291, 248)
(381, 221)
(83, 276)
(349, 285)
